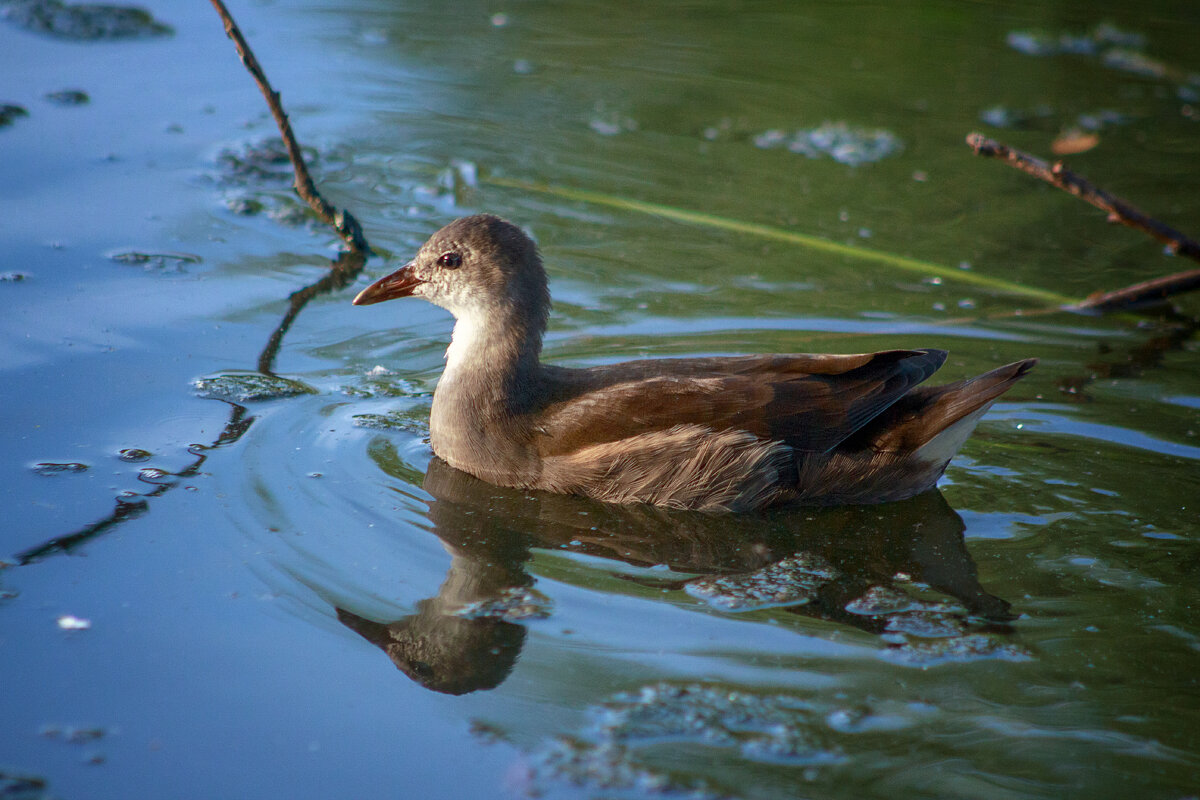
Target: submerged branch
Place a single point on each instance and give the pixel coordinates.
(1118, 211)
(340, 220)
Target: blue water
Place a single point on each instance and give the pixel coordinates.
(290, 598)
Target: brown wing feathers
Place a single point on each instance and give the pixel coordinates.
(812, 403)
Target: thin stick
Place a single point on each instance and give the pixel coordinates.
(1118, 211)
(341, 220)
(1154, 290)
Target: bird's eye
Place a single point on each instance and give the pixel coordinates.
(449, 260)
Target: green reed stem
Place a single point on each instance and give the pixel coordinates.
(915, 265)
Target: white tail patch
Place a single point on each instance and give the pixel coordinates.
(941, 448)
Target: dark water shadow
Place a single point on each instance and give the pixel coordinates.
(820, 563)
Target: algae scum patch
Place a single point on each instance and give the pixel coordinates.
(627, 736)
(81, 22)
(249, 387)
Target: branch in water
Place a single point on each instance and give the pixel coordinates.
(1118, 211)
(341, 220)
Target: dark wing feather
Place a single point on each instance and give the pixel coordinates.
(809, 402)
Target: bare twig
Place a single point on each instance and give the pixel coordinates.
(1118, 211)
(1151, 291)
(341, 220)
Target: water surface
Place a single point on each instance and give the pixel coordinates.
(265, 588)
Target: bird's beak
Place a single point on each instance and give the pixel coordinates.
(399, 284)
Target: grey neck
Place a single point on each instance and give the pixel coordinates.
(481, 416)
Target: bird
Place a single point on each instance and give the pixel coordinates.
(719, 434)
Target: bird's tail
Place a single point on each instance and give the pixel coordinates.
(933, 422)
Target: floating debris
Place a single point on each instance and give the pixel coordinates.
(1037, 43)
(135, 455)
(977, 647)
(381, 382)
(72, 734)
(514, 604)
(1135, 63)
(248, 387)
(1004, 117)
(763, 727)
(263, 161)
(1073, 141)
(1113, 47)
(610, 122)
(884, 600)
(410, 421)
(1098, 120)
(773, 728)
(154, 475)
(258, 178)
(1040, 43)
(69, 622)
(373, 36)
(836, 140)
(244, 206)
(157, 261)
(460, 175)
(60, 468)
(792, 581)
(486, 732)
(607, 767)
(291, 213)
(926, 624)
(68, 97)
(82, 22)
(9, 113)
(14, 786)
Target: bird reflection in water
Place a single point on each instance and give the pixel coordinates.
(469, 636)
